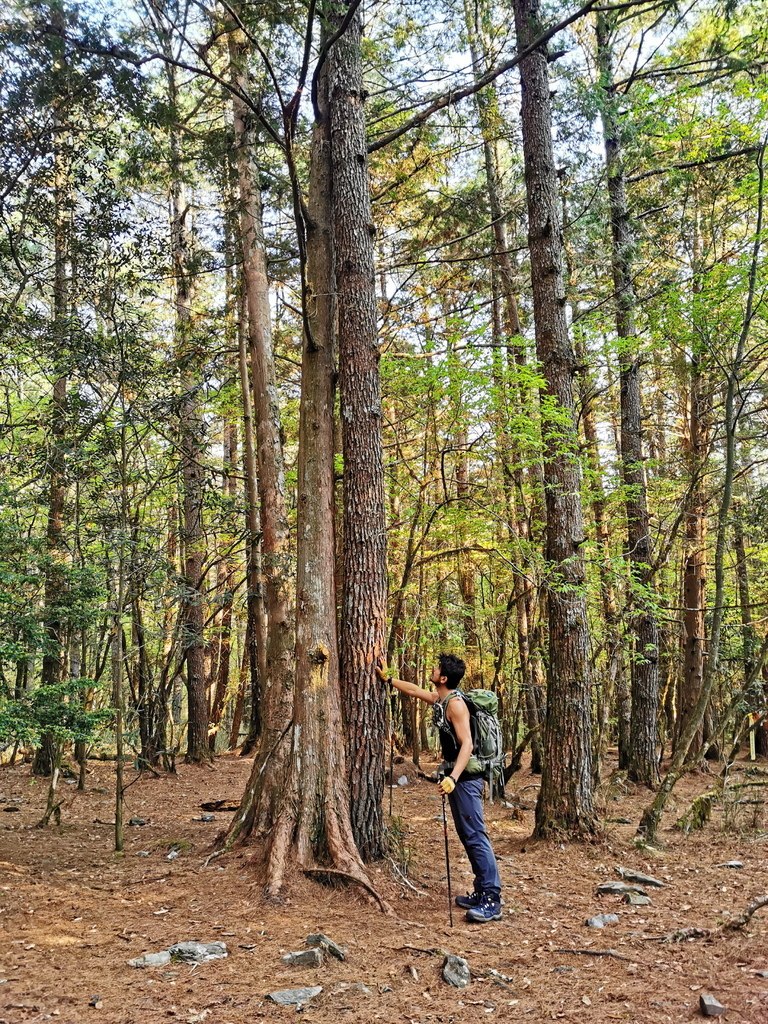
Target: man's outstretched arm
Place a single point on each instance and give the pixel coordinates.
(411, 689)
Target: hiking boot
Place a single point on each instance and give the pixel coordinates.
(488, 909)
(470, 901)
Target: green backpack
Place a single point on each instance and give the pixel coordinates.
(487, 740)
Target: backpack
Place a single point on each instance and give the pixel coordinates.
(487, 739)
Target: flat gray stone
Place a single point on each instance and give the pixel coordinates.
(151, 960)
(456, 971)
(601, 920)
(207, 817)
(317, 939)
(636, 900)
(198, 952)
(295, 996)
(709, 1006)
(618, 889)
(736, 864)
(640, 878)
(762, 974)
(403, 780)
(304, 958)
(137, 821)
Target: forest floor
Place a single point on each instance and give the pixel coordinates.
(72, 913)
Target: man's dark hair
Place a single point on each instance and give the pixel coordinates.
(452, 668)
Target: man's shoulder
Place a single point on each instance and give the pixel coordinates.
(452, 706)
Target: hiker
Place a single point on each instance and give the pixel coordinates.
(462, 784)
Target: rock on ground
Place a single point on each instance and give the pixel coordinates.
(709, 1006)
(456, 971)
(198, 952)
(323, 942)
(601, 920)
(151, 960)
(295, 996)
(304, 958)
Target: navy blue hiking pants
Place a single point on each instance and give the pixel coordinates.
(467, 810)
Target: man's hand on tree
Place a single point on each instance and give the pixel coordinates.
(447, 784)
(383, 672)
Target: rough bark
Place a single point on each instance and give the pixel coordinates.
(643, 762)
(565, 803)
(363, 605)
(297, 799)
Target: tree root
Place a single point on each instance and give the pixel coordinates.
(594, 952)
(743, 919)
(335, 873)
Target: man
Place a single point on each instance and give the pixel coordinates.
(462, 781)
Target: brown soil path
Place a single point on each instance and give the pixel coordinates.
(72, 913)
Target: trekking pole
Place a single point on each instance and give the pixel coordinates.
(391, 750)
(448, 861)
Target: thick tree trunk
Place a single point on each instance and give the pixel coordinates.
(565, 802)
(297, 798)
(643, 762)
(363, 606)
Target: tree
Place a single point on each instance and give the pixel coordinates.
(643, 762)
(565, 800)
(363, 604)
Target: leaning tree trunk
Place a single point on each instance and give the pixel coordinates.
(565, 803)
(643, 761)
(364, 594)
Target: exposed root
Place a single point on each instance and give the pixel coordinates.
(746, 916)
(335, 873)
(683, 934)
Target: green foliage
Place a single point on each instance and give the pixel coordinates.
(58, 711)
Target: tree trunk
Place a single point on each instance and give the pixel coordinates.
(363, 606)
(297, 798)
(695, 566)
(225, 572)
(192, 446)
(565, 803)
(613, 659)
(45, 755)
(643, 762)
(275, 538)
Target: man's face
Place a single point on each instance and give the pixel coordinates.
(436, 675)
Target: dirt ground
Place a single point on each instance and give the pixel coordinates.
(72, 913)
